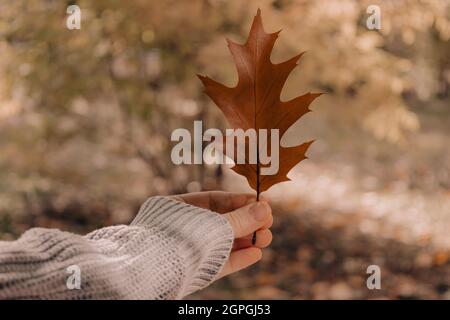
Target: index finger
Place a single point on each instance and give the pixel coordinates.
(218, 201)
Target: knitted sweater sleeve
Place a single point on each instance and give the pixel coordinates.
(170, 250)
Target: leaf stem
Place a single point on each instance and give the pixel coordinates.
(257, 182)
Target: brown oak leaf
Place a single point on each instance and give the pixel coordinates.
(255, 102)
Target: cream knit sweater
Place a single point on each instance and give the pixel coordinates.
(170, 250)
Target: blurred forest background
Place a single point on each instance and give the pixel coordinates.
(86, 117)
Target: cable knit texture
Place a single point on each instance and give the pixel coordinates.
(170, 250)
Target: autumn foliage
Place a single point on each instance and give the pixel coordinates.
(255, 101)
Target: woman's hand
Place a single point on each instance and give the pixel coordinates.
(245, 216)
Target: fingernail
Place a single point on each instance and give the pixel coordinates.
(259, 210)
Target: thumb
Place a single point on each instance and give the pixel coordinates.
(250, 218)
